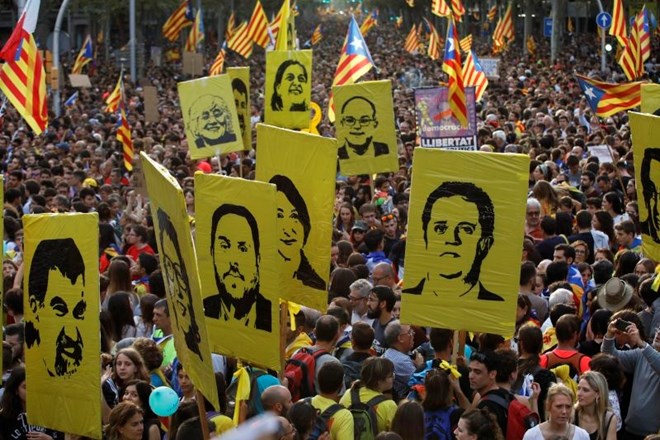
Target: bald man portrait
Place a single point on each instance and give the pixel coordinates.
(359, 122)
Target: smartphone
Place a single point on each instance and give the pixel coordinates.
(622, 324)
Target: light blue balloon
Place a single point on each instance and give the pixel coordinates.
(164, 401)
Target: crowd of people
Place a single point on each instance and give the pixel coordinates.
(583, 362)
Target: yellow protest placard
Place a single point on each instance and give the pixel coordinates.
(179, 267)
(651, 99)
(240, 86)
(62, 329)
(209, 115)
(366, 136)
(467, 211)
(644, 129)
(288, 88)
(302, 166)
(236, 250)
(2, 230)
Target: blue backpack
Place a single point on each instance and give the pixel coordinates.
(437, 424)
(322, 419)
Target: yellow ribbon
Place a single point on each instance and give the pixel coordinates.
(242, 391)
(293, 310)
(449, 367)
(316, 119)
(563, 373)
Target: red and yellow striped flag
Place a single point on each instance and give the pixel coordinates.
(411, 44)
(631, 60)
(317, 35)
(124, 137)
(231, 26)
(452, 67)
(196, 35)
(84, 56)
(466, 43)
(645, 35)
(473, 75)
(435, 42)
(218, 63)
(531, 45)
(459, 10)
(368, 23)
(492, 13)
(258, 26)
(503, 33)
(618, 27)
(112, 101)
(180, 18)
(240, 42)
(440, 8)
(607, 99)
(22, 76)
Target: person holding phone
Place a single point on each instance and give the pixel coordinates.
(643, 361)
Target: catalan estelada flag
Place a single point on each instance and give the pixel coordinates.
(258, 26)
(196, 35)
(618, 27)
(440, 8)
(219, 62)
(492, 13)
(459, 10)
(606, 99)
(473, 74)
(180, 18)
(411, 44)
(85, 55)
(354, 61)
(22, 76)
(631, 60)
(452, 67)
(645, 33)
(369, 21)
(240, 41)
(113, 100)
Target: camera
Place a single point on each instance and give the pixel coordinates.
(622, 324)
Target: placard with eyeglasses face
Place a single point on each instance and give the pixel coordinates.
(366, 136)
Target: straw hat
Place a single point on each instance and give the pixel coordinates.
(614, 294)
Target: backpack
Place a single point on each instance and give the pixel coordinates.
(437, 424)
(351, 372)
(365, 421)
(322, 419)
(233, 388)
(573, 363)
(300, 371)
(519, 418)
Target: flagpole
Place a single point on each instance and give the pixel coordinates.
(131, 21)
(603, 56)
(56, 56)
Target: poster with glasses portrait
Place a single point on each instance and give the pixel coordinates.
(238, 266)
(467, 212)
(288, 88)
(62, 342)
(366, 136)
(210, 117)
(302, 167)
(180, 275)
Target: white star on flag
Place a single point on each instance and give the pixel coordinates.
(357, 44)
(589, 91)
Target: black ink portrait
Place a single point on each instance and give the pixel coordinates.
(57, 275)
(650, 174)
(210, 122)
(178, 284)
(458, 223)
(291, 80)
(241, 100)
(294, 224)
(358, 118)
(235, 253)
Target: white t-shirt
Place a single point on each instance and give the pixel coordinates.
(536, 434)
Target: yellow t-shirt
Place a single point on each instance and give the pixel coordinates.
(340, 424)
(384, 411)
(302, 340)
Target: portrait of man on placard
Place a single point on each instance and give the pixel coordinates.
(458, 221)
(650, 178)
(57, 274)
(235, 253)
(291, 86)
(177, 282)
(211, 122)
(359, 122)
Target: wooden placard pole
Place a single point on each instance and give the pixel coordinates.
(202, 415)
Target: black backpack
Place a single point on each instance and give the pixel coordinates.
(255, 374)
(322, 419)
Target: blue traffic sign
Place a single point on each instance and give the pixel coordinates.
(604, 20)
(547, 27)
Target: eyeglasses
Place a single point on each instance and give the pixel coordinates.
(356, 298)
(350, 120)
(387, 218)
(533, 213)
(410, 332)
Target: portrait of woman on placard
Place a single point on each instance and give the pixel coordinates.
(294, 224)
